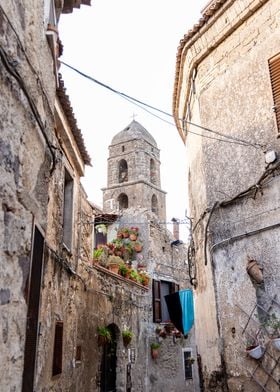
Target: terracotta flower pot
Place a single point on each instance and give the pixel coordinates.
(254, 270)
(255, 352)
(154, 353)
(133, 237)
(114, 268)
(102, 340)
(138, 248)
(126, 340)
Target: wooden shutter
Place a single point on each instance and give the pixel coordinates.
(174, 287)
(30, 349)
(156, 301)
(274, 70)
(58, 346)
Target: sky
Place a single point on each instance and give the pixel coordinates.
(130, 45)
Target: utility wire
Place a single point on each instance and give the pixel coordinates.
(138, 103)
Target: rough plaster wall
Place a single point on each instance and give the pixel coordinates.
(24, 171)
(234, 97)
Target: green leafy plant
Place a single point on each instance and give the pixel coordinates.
(155, 345)
(273, 324)
(126, 333)
(114, 260)
(123, 269)
(97, 253)
(134, 276)
(104, 335)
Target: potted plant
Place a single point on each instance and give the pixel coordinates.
(273, 324)
(125, 232)
(133, 233)
(190, 360)
(138, 246)
(114, 263)
(134, 276)
(123, 269)
(97, 254)
(254, 349)
(104, 336)
(155, 349)
(127, 335)
(118, 247)
(144, 277)
(101, 228)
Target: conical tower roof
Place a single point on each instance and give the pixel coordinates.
(133, 131)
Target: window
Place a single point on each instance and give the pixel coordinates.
(78, 354)
(68, 210)
(123, 201)
(57, 351)
(160, 289)
(123, 171)
(274, 70)
(154, 204)
(187, 358)
(152, 171)
(123, 148)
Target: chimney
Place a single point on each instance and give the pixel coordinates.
(176, 229)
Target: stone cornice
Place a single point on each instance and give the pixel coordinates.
(130, 183)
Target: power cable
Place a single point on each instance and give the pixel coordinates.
(138, 103)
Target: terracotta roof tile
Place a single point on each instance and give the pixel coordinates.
(68, 110)
(70, 4)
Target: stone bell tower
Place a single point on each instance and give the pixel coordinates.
(133, 179)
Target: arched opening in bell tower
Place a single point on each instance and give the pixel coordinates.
(123, 171)
(123, 201)
(152, 171)
(155, 204)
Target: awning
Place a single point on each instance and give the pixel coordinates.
(181, 309)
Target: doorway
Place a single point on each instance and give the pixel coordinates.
(109, 362)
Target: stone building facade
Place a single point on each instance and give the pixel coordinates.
(163, 256)
(44, 212)
(227, 81)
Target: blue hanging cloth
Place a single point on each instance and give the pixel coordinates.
(186, 300)
(181, 309)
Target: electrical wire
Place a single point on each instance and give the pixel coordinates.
(137, 102)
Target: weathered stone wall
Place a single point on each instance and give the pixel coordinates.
(25, 164)
(137, 153)
(168, 263)
(232, 96)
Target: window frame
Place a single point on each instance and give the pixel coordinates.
(274, 74)
(156, 297)
(68, 210)
(190, 366)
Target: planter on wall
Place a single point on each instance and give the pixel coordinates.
(255, 352)
(276, 343)
(254, 271)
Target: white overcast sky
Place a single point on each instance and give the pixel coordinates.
(130, 45)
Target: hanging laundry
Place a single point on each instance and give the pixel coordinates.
(181, 309)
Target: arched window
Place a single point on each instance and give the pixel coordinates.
(154, 204)
(123, 201)
(123, 171)
(152, 171)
